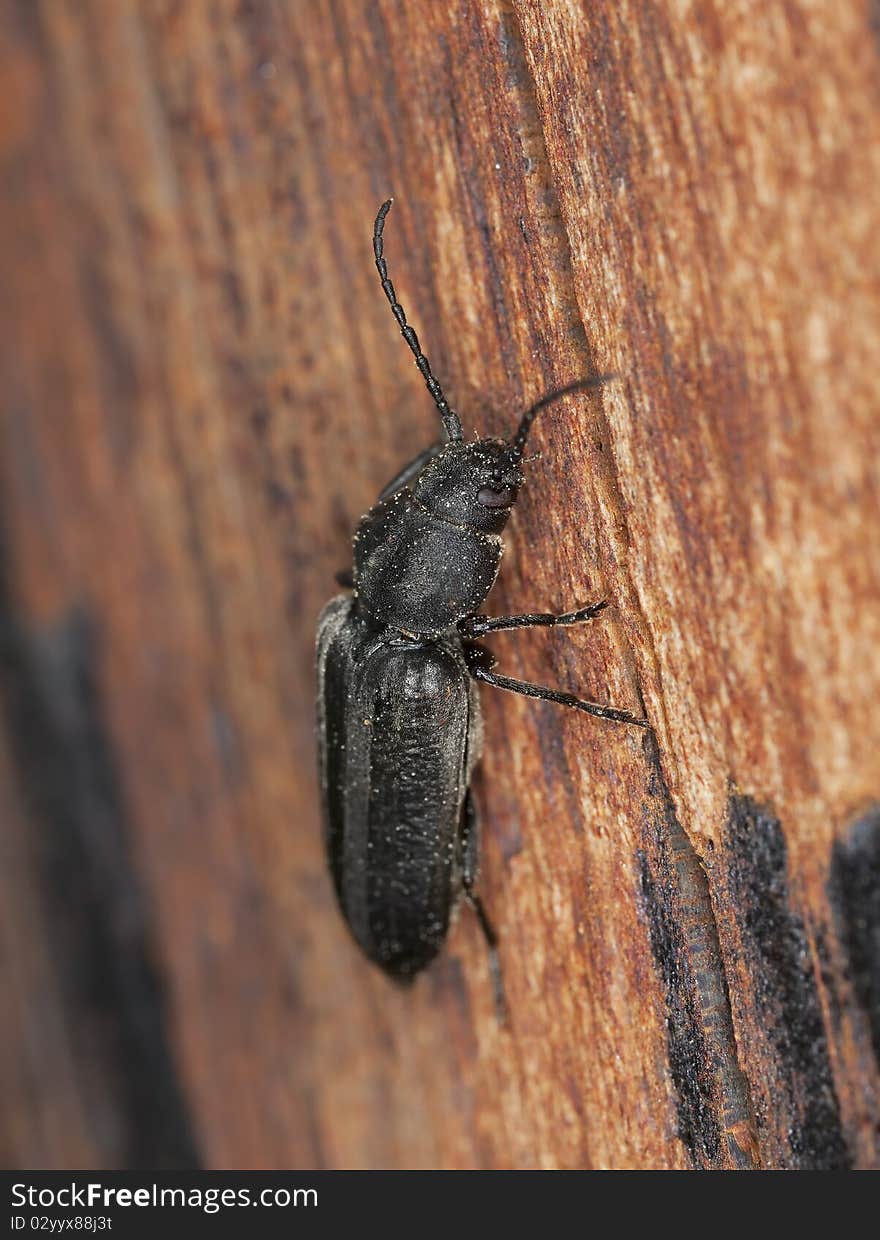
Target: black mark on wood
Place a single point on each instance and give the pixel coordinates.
(94, 906)
(797, 1101)
(854, 892)
(715, 1117)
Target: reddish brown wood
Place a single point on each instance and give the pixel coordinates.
(204, 389)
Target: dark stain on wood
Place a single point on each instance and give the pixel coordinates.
(94, 911)
(854, 892)
(796, 1103)
(874, 20)
(715, 1119)
(698, 1125)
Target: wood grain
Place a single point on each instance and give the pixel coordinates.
(203, 391)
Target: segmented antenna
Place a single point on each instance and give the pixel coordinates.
(449, 416)
(518, 443)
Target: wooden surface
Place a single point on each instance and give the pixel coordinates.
(203, 389)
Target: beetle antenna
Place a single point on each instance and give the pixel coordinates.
(518, 443)
(449, 416)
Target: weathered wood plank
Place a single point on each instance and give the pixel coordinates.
(203, 391)
(716, 185)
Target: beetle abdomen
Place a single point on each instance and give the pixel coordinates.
(394, 770)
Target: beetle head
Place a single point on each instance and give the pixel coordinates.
(471, 484)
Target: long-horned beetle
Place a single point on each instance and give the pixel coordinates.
(399, 726)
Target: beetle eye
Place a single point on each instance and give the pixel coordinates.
(489, 497)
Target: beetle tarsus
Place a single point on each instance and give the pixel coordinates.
(499, 997)
(478, 626)
(469, 845)
(527, 689)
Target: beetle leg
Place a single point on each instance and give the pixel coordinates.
(469, 844)
(345, 578)
(477, 655)
(554, 695)
(477, 626)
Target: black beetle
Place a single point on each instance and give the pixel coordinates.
(399, 728)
